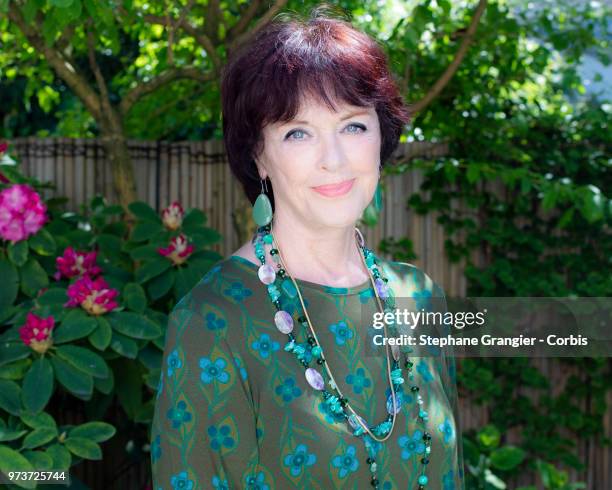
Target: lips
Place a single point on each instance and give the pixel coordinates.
(334, 190)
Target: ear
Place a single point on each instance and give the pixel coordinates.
(261, 170)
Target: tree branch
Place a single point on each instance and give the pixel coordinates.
(454, 65)
(65, 70)
(240, 26)
(168, 76)
(95, 68)
(234, 43)
(211, 21)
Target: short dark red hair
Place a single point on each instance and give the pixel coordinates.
(326, 57)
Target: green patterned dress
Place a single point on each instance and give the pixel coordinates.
(234, 410)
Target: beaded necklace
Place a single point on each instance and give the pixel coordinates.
(333, 397)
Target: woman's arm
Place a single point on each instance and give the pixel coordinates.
(204, 426)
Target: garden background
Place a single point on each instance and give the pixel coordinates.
(111, 113)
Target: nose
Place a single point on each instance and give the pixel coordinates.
(333, 155)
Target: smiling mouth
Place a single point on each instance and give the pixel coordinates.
(334, 190)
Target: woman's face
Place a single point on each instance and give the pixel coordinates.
(307, 157)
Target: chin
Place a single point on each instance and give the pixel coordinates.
(338, 215)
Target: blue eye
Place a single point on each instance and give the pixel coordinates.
(290, 134)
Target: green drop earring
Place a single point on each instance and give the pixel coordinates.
(262, 209)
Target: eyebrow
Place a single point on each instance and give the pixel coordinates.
(348, 116)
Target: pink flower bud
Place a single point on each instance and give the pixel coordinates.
(178, 251)
(93, 295)
(36, 332)
(74, 263)
(172, 216)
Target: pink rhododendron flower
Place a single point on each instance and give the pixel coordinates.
(36, 332)
(172, 216)
(22, 212)
(93, 295)
(74, 263)
(178, 250)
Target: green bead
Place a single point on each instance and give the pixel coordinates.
(289, 288)
(268, 239)
(262, 210)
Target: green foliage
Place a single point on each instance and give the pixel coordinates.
(94, 357)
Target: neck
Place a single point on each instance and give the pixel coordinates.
(323, 255)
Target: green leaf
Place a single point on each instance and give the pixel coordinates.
(83, 448)
(144, 212)
(43, 243)
(37, 385)
(135, 297)
(152, 269)
(507, 457)
(53, 296)
(77, 382)
(10, 284)
(10, 396)
(11, 460)
(95, 431)
(39, 460)
(33, 278)
(18, 252)
(62, 458)
(84, 359)
(204, 237)
(13, 352)
(110, 245)
(101, 337)
(134, 325)
(76, 325)
(129, 386)
(42, 419)
(488, 436)
(15, 370)
(473, 173)
(194, 218)
(145, 252)
(186, 279)
(145, 231)
(38, 437)
(10, 434)
(124, 346)
(161, 284)
(105, 385)
(62, 3)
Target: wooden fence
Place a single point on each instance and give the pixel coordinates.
(197, 175)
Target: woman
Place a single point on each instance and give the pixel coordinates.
(270, 378)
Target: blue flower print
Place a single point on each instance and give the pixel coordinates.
(423, 370)
(174, 362)
(412, 444)
(358, 381)
(181, 482)
(209, 275)
(257, 482)
(179, 414)
(387, 485)
(160, 384)
(220, 437)
(213, 322)
(342, 332)
(288, 390)
(238, 291)
(219, 484)
(243, 372)
(447, 429)
(422, 299)
(156, 448)
(299, 459)
(346, 462)
(213, 370)
(292, 305)
(371, 445)
(265, 345)
(448, 480)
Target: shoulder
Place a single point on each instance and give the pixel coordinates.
(213, 304)
(412, 278)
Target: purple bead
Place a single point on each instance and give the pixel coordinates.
(354, 423)
(381, 288)
(314, 379)
(283, 321)
(266, 274)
